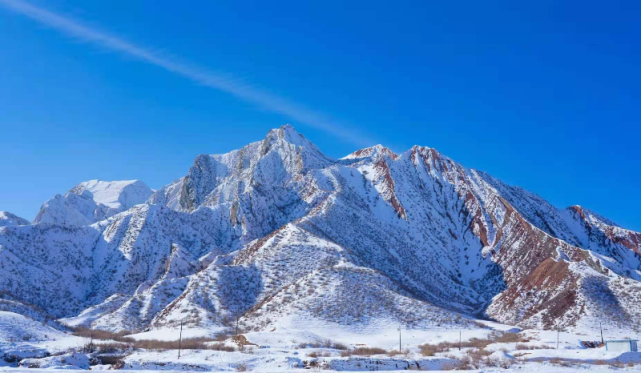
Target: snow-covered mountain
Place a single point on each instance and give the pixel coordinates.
(7, 218)
(278, 230)
(93, 201)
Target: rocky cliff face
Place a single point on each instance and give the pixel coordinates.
(277, 229)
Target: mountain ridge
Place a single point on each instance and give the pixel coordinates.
(7, 219)
(277, 229)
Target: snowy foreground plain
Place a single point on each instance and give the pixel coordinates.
(297, 345)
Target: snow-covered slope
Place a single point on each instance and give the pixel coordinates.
(7, 218)
(278, 230)
(116, 195)
(15, 327)
(93, 201)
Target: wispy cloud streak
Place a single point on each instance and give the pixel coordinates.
(239, 89)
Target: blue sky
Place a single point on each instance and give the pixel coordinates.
(542, 95)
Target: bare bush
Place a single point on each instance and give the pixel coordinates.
(324, 344)
(102, 334)
(221, 347)
(463, 363)
(521, 346)
(397, 352)
(561, 362)
(149, 344)
(111, 360)
(507, 338)
(110, 348)
(501, 363)
(428, 350)
(222, 336)
(478, 343)
(186, 344)
(478, 357)
(363, 351)
(317, 354)
(124, 343)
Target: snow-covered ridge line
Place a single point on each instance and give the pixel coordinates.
(7, 219)
(93, 201)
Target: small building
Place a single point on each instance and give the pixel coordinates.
(621, 345)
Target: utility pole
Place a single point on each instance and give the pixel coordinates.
(601, 327)
(400, 348)
(557, 337)
(237, 317)
(180, 338)
(460, 334)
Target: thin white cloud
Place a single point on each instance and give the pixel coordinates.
(199, 75)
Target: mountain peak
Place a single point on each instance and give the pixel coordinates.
(288, 134)
(283, 155)
(92, 201)
(114, 194)
(287, 140)
(589, 214)
(372, 152)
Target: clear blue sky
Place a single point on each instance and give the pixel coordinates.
(544, 95)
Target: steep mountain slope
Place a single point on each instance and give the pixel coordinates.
(81, 266)
(259, 186)
(15, 327)
(277, 229)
